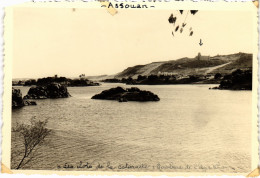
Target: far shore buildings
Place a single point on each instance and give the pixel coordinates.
(206, 75)
(181, 76)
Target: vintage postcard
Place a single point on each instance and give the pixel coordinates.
(131, 88)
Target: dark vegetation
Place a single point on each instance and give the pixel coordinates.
(60, 80)
(237, 80)
(158, 80)
(123, 95)
(81, 82)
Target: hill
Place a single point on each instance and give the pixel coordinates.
(199, 65)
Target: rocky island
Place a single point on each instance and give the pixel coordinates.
(123, 95)
(53, 90)
(18, 101)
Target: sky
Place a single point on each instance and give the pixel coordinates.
(67, 42)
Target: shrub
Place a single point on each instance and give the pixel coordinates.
(33, 135)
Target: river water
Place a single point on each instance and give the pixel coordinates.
(191, 128)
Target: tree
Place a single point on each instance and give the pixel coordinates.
(30, 82)
(193, 78)
(140, 78)
(129, 80)
(123, 80)
(217, 76)
(152, 77)
(33, 135)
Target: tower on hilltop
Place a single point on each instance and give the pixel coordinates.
(199, 56)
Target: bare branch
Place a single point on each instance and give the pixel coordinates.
(33, 135)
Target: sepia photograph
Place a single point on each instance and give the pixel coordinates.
(146, 89)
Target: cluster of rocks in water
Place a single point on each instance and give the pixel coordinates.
(39, 92)
(49, 91)
(123, 95)
(60, 91)
(18, 101)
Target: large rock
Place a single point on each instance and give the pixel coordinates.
(17, 100)
(49, 91)
(129, 94)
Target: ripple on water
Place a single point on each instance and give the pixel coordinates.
(190, 125)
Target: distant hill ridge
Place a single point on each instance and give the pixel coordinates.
(199, 65)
